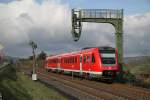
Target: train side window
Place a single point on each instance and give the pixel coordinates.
(72, 60)
(93, 58)
(80, 58)
(75, 59)
(69, 60)
(88, 58)
(84, 58)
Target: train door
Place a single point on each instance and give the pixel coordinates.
(89, 60)
(86, 62)
(81, 56)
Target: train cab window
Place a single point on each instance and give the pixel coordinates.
(93, 58)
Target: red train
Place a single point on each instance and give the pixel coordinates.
(99, 62)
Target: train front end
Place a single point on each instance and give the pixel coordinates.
(109, 61)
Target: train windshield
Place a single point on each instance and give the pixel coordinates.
(108, 57)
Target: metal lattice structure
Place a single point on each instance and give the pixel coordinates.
(114, 17)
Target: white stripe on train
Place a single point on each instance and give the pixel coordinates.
(90, 72)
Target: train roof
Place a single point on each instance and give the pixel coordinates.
(63, 54)
(84, 49)
(101, 48)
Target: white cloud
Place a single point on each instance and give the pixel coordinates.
(49, 25)
(23, 20)
(136, 34)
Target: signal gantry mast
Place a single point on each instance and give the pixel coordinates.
(112, 16)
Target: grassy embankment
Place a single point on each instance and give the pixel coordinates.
(17, 86)
(140, 68)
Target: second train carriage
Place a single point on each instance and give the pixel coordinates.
(94, 62)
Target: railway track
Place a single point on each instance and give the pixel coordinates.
(77, 87)
(105, 91)
(95, 90)
(131, 92)
(137, 90)
(68, 86)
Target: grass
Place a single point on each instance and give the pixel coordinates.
(140, 68)
(17, 86)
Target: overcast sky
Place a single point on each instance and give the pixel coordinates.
(48, 23)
